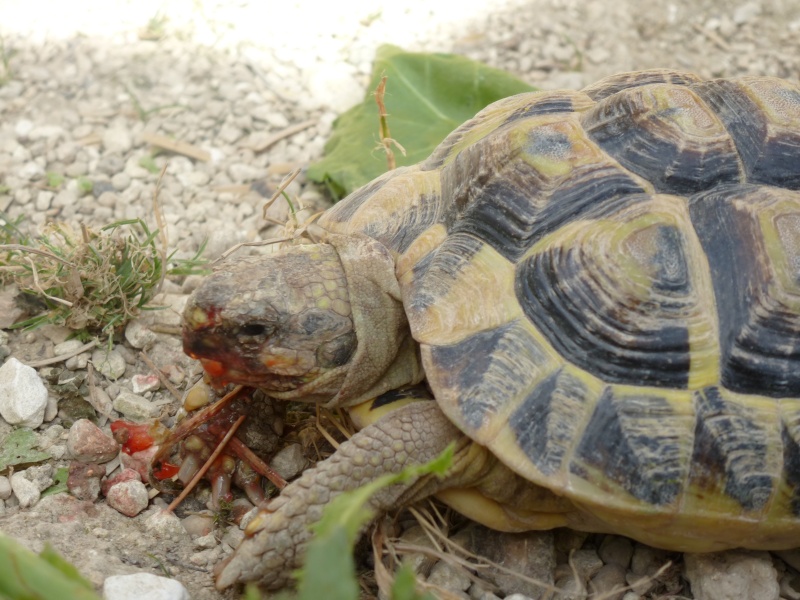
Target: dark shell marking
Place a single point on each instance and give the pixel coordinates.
(647, 234)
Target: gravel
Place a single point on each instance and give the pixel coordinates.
(85, 90)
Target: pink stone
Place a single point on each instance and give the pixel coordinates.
(87, 443)
(128, 497)
(83, 481)
(145, 383)
(124, 475)
(139, 461)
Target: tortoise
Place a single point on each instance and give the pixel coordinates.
(599, 288)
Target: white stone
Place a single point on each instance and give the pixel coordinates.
(23, 128)
(67, 347)
(121, 181)
(732, 575)
(143, 585)
(5, 488)
(117, 140)
(26, 491)
(43, 200)
(139, 334)
(23, 396)
(30, 170)
(46, 132)
(746, 12)
(111, 364)
(135, 407)
(165, 523)
(206, 541)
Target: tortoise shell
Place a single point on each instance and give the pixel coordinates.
(605, 285)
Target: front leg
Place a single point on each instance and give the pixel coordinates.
(414, 434)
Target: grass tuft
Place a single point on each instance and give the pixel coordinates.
(90, 281)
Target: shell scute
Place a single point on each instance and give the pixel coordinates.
(751, 233)
(667, 135)
(605, 286)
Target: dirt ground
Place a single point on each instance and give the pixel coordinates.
(72, 92)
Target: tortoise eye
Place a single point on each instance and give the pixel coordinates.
(255, 330)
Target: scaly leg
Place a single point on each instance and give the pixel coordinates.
(413, 434)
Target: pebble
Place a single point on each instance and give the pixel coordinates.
(198, 524)
(128, 497)
(43, 200)
(732, 575)
(26, 491)
(206, 541)
(609, 582)
(138, 334)
(51, 410)
(746, 12)
(289, 462)
(233, 537)
(117, 140)
(125, 474)
(165, 524)
(139, 461)
(111, 364)
(68, 347)
(142, 383)
(790, 586)
(83, 481)
(40, 475)
(23, 396)
(449, 577)
(586, 562)
(143, 585)
(135, 407)
(616, 550)
(86, 442)
(5, 488)
(121, 181)
(532, 553)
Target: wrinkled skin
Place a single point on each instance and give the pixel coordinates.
(287, 324)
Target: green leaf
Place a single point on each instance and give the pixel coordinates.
(427, 96)
(60, 483)
(18, 448)
(329, 571)
(25, 576)
(405, 585)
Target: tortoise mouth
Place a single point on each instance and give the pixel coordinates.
(222, 373)
(223, 364)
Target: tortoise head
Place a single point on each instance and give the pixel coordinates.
(278, 322)
(290, 322)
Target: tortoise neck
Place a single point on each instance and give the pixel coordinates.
(386, 355)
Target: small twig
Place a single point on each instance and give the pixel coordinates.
(241, 450)
(196, 479)
(281, 188)
(324, 432)
(178, 147)
(164, 328)
(385, 135)
(266, 242)
(62, 357)
(21, 248)
(103, 410)
(38, 286)
(162, 229)
(713, 37)
(284, 133)
(161, 377)
(336, 423)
